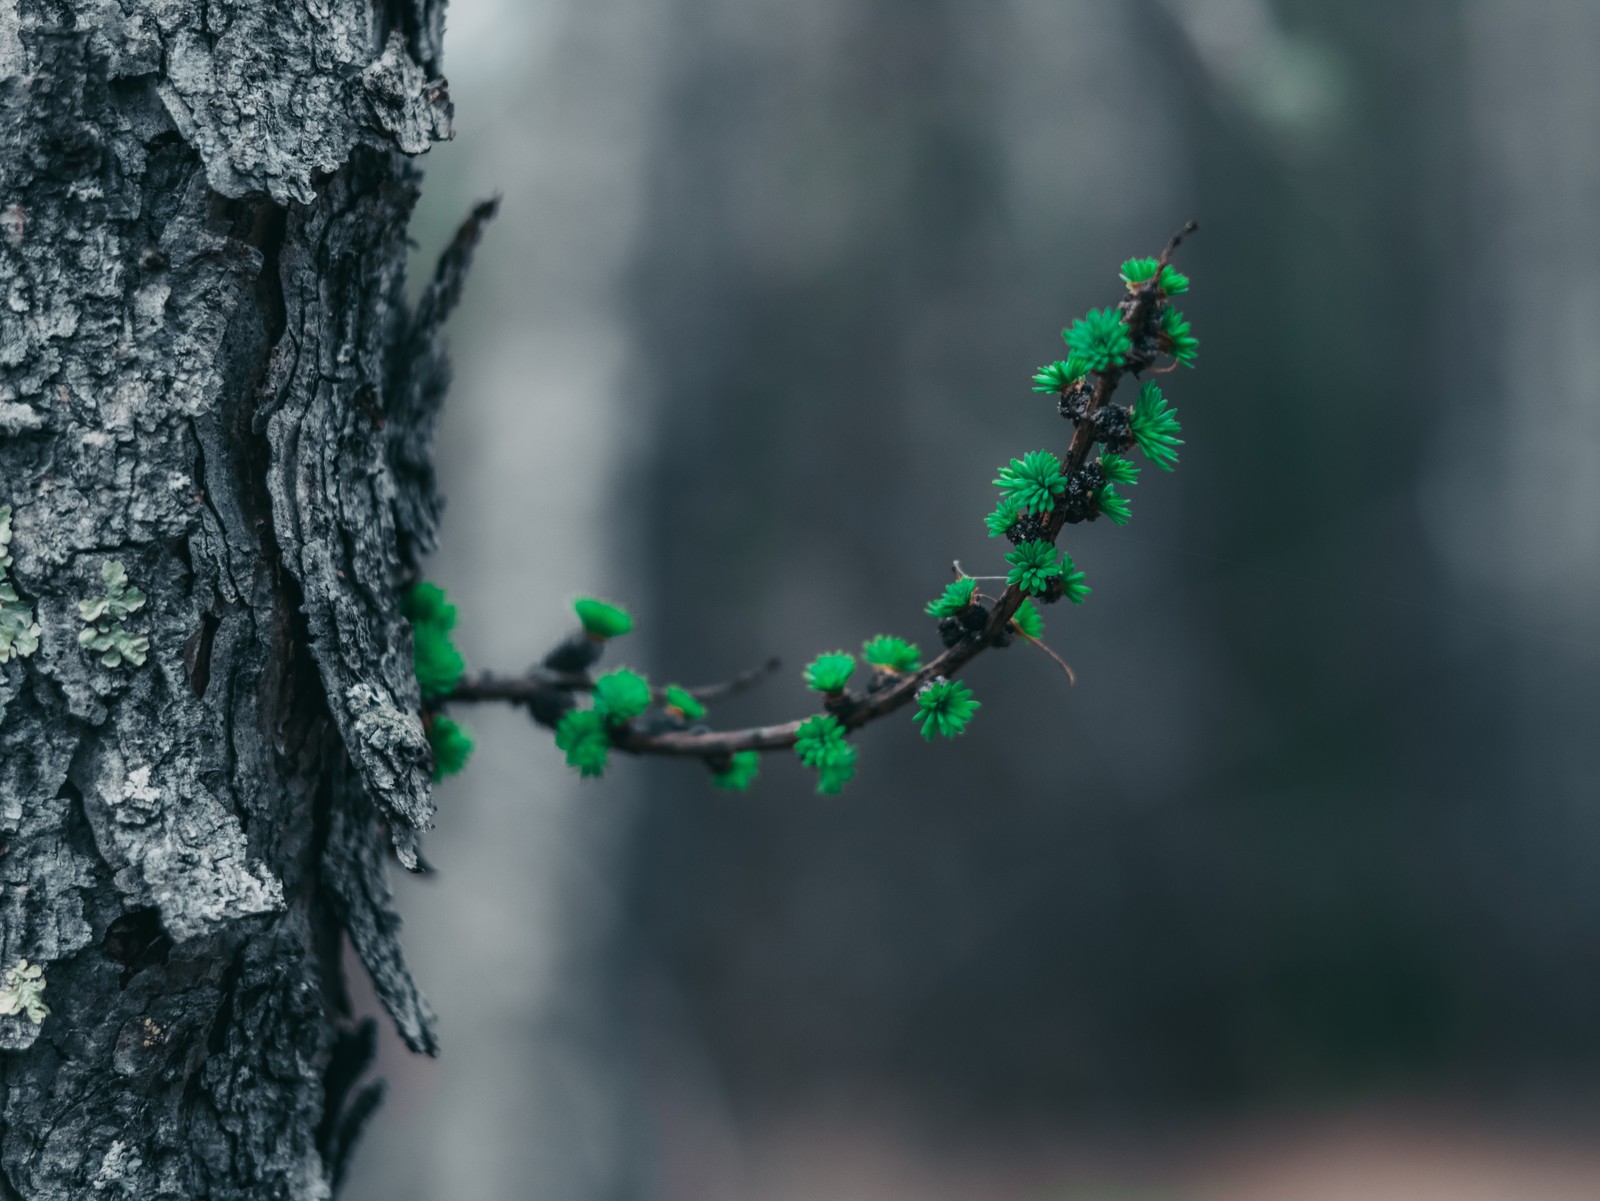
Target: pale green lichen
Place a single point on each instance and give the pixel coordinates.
(22, 991)
(19, 633)
(104, 632)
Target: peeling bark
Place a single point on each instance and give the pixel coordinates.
(208, 374)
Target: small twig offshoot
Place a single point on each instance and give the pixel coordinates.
(1029, 622)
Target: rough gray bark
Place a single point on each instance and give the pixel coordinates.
(209, 376)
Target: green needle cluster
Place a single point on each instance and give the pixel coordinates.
(1178, 338)
(1059, 376)
(586, 738)
(1033, 482)
(838, 771)
(601, 619)
(1005, 515)
(944, 707)
(1100, 339)
(1114, 506)
(684, 701)
(1140, 271)
(1155, 428)
(891, 654)
(1072, 585)
(621, 695)
(820, 743)
(1028, 620)
(1118, 470)
(955, 599)
(437, 662)
(830, 672)
(741, 772)
(1033, 565)
(439, 667)
(451, 743)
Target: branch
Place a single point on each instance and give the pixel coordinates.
(742, 682)
(1128, 343)
(852, 710)
(530, 689)
(540, 684)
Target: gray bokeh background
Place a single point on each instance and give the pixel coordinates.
(1301, 874)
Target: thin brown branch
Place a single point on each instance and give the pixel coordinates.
(742, 682)
(519, 690)
(854, 712)
(541, 683)
(1072, 676)
(1176, 240)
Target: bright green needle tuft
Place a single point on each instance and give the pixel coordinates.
(1059, 376)
(1028, 620)
(820, 744)
(1118, 470)
(583, 735)
(1033, 565)
(425, 603)
(1155, 427)
(1099, 338)
(817, 738)
(621, 695)
(451, 743)
(954, 600)
(1179, 339)
(1115, 507)
(439, 666)
(944, 707)
(830, 672)
(601, 619)
(684, 701)
(1033, 481)
(838, 771)
(741, 772)
(891, 654)
(1003, 518)
(1139, 271)
(435, 659)
(1072, 585)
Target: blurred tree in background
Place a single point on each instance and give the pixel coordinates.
(1317, 821)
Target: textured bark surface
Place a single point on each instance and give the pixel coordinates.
(208, 374)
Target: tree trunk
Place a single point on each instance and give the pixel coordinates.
(209, 380)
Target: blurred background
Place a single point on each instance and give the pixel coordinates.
(1296, 895)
